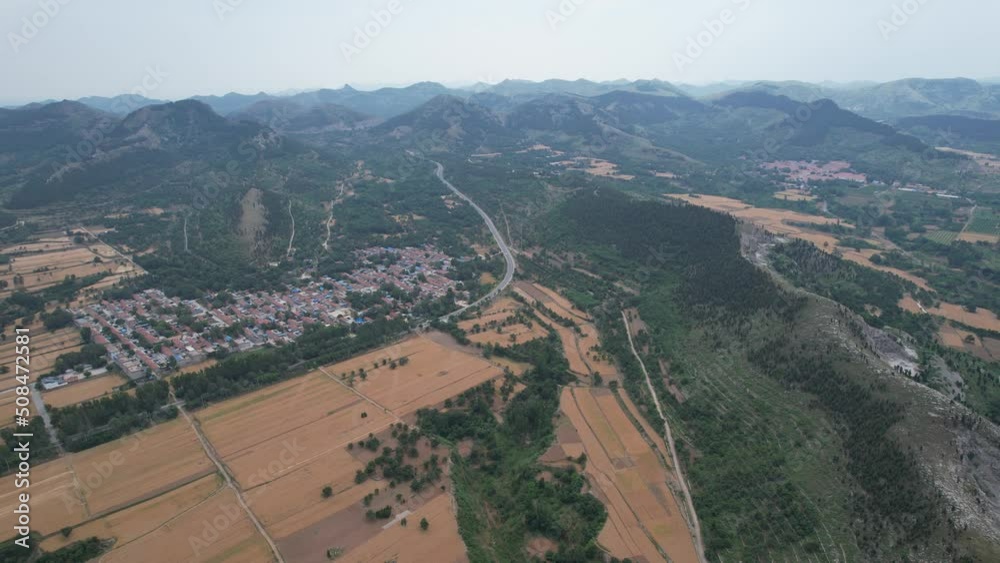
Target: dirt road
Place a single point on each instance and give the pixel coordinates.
(695, 526)
(210, 452)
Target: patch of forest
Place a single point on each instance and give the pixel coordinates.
(90, 423)
(504, 494)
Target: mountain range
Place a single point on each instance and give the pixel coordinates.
(60, 150)
(880, 101)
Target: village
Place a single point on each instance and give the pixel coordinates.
(153, 333)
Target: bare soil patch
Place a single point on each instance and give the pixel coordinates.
(441, 541)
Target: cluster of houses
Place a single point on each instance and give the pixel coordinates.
(802, 173)
(71, 376)
(152, 332)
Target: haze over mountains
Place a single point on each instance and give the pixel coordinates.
(889, 100)
(641, 121)
(244, 192)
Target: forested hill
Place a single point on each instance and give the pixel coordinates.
(700, 244)
(796, 439)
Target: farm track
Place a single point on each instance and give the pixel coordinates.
(362, 395)
(695, 526)
(230, 482)
(118, 252)
(36, 397)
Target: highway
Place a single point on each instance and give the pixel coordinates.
(508, 256)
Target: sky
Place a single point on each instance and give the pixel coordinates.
(172, 49)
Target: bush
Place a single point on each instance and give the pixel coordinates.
(57, 319)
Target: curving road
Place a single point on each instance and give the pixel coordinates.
(507, 254)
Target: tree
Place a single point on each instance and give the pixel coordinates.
(424, 524)
(327, 491)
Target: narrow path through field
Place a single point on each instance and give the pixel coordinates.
(186, 249)
(360, 394)
(39, 401)
(972, 217)
(167, 522)
(210, 452)
(695, 526)
(36, 397)
(116, 251)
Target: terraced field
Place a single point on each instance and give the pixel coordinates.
(985, 221)
(631, 478)
(942, 237)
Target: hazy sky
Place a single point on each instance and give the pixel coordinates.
(178, 48)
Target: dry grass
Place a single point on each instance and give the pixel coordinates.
(215, 530)
(132, 523)
(82, 391)
(774, 220)
(50, 259)
(110, 477)
(864, 258)
(779, 221)
(595, 167)
(434, 373)
(46, 346)
(54, 499)
(493, 317)
(487, 278)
